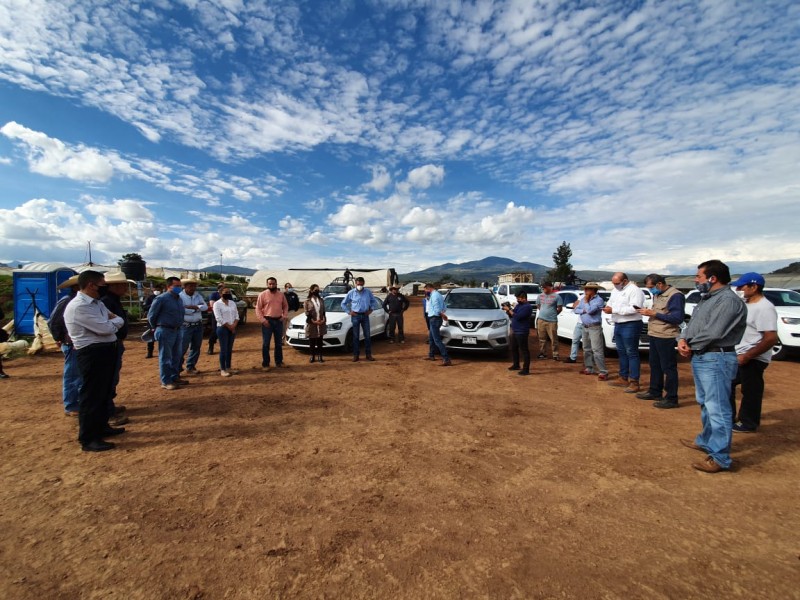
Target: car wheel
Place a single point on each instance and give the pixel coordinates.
(779, 352)
(348, 341)
(243, 318)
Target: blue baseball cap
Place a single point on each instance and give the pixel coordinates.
(749, 278)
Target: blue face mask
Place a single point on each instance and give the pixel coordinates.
(655, 291)
(177, 290)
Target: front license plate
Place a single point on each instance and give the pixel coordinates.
(301, 336)
(470, 340)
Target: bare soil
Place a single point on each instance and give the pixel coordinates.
(392, 479)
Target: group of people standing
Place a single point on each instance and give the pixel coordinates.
(728, 341)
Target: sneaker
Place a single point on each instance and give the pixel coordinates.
(571, 360)
(169, 386)
(391, 340)
(402, 341)
(541, 356)
(602, 377)
(192, 372)
(118, 420)
(665, 404)
(225, 373)
(739, 428)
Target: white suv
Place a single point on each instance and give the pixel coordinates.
(787, 305)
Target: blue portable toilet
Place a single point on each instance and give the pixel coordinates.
(37, 282)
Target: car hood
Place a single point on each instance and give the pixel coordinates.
(788, 311)
(477, 314)
(331, 318)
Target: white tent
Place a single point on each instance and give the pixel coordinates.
(302, 279)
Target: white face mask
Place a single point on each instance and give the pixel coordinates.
(360, 288)
(740, 293)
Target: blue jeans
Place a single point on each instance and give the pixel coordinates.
(626, 338)
(663, 368)
(225, 338)
(273, 329)
(577, 336)
(361, 324)
(71, 389)
(169, 353)
(713, 374)
(192, 340)
(434, 326)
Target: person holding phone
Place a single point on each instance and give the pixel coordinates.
(622, 306)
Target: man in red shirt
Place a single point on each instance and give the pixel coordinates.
(271, 310)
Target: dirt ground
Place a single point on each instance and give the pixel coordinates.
(392, 479)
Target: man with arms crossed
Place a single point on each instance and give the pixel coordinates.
(663, 328)
(716, 326)
(754, 352)
(590, 311)
(549, 306)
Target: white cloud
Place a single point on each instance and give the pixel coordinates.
(122, 210)
(380, 179)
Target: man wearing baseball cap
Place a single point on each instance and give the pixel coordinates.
(754, 352)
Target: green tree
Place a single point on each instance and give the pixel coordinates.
(563, 268)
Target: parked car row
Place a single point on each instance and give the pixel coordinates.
(477, 322)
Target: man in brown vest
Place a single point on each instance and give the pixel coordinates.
(663, 328)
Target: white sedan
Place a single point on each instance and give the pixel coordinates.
(567, 319)
(340, 328)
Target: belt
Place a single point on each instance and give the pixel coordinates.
(174, 328)
(361, 313)
(192, 324)
(716, 349)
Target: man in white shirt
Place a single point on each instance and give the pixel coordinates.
(93, 330)
(754, 352)
(623, 306)
(194, 305)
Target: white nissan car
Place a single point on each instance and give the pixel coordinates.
(340, 328)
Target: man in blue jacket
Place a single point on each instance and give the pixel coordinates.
(166, 318)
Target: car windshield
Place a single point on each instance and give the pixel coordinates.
(470, 300)
(783, 297)
(528, 288)
(333, 304)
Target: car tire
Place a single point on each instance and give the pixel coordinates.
(348, 341)
(243, 320)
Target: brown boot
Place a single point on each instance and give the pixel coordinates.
(619, 381)
(633, 387)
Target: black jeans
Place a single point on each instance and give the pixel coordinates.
(395, 319)
(519, 346)
(663, 368)
(751, 378)
(96, 364)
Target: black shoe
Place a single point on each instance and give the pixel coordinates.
(541, 356)
(524, 372)
(513, 368)
(313, 359)
(97, 446)
(369, 358)
(320, 359)
(570, 360)
(109, 431)
(150, 355)
(665, 404)
(446, 363)
(3, 375)
(647, 396)
(355, 359)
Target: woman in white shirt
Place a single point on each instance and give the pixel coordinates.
(227, 315)
(315, 322)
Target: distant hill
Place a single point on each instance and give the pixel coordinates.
(228, 270)
(788, 270)
(486, 269)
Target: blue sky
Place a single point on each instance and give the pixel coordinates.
(403, 133)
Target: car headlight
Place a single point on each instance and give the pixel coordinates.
(499, 323)
(335, 327)
(791, 320)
